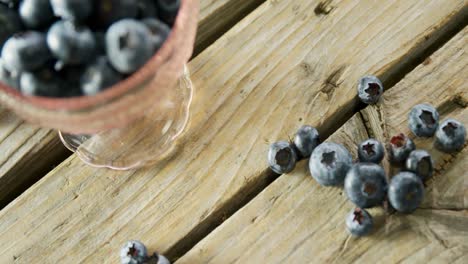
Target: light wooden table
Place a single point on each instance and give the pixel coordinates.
(284, 64)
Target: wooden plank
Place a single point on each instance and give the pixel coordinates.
(295, 220)
(304, 65)
(30, 152)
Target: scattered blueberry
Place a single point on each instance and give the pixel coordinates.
(306, 139)
(282, 157)
(158, 259)
(70, 43)
(420, 162)
(329, 164)
(36, 14)
(26, 51)
(99, 76)
(159, 31)
(129, 45)
(106, 12)
(133, 252)
(451, 136)
(9, 78)
(371, 150)
(75, 10)
(370, 89)
(359, 222)
(405, 192)
(423, 120)
(42, 83)
(147, 9)
(399, 149)
(366, 185)
(168, 10)
(10, 24)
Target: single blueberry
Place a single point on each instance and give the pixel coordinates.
(420, 162)
(159, 32)
(399, 148)
(99, 76)
(370, 89)
(405, 192)
(36, 14)
(306, 139)
(10, 24)
(158, 259)
(70, 43)
(329, 164)
(451, 136)
(42, 83)
(75, 10)
(25, 51)
(129, 45)
(168, 10)
(147, 9)
(282, 157)
(107, 12)
(423, 120)
(359, 222)
(366, 185)
(371, 150)
(133, 252)
(9, 78)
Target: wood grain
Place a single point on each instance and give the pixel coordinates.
(295, 220)
(283, 65)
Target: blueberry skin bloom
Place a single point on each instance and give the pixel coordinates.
(421, 163)
(423, 120)
(10, 24)
(366, 185)
(371, 150)
(99, 76)
(8, 78)
(451, 136)
(370, 89)
(399, 149)
(282, 157)
(25, 51)
(133, 252)
(306, 140)
(359, 222)
(406, 192)
(71, 44)
(329, 164)
(42, 83)
(76, 10)
(36, 14)
(159, 32)
(129, 45)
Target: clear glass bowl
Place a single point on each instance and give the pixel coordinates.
(138, 121)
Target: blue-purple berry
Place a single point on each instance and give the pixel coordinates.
(75, 10)
(42, 83)
(306, 140)
(359, 222)
(168, 10)
(10, 23)
(147, 9)
(159, 32)
(420, 162)
(329, 164)
(399, 148)
(36, 14)
(107, 12)
(282, 157)
(133, 252)
(450, 136)
(370, 89)
(406, 192)
(423, 120)
(9, 78)
(366, 185)
(98, 76)
(371, 150)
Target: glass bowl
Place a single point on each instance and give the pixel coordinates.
(134, 123)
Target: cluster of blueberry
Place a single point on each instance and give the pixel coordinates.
(365, 182)
(135, 252)
(66, 48)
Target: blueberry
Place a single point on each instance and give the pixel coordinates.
(36, 14)
(399, 149)
(359, 222)
(72, 77)
(147, 9)
(159, 31)
(42, 83)
(9, 78)
(129, 45)
(106, 12)
(366, 185)
(168, 10)
(133, 252)
(306, 139)
(370, 89)
(406, 192)
(451, 136)
(70, 43)
(10, 24)
(423, 120)
(76, 10)
(329, 164)
(99, 76)
(282, 157)
(421, 163)
(158, 259)
(25, 51)
(371, 150)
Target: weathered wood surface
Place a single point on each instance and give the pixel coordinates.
(280, 67)
(29, 152)
(294, 220)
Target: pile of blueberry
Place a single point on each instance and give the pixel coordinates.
(66, 48)
(365, 182)
(135, 252)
